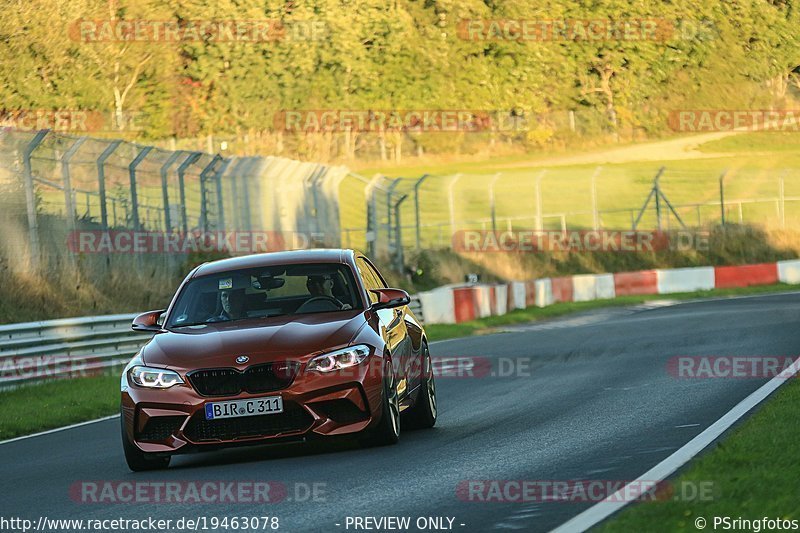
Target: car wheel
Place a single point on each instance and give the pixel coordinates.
(423, 413)
(137, 460)
(388, 429)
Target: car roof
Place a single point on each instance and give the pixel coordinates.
(316, 255)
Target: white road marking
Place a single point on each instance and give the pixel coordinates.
(79, 424)
(602, 510)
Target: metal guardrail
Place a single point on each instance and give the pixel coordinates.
(75, 347)
(65, 348)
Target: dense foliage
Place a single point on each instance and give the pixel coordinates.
(400, 54)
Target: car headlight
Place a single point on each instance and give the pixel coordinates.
(154, 378)
(344, 358)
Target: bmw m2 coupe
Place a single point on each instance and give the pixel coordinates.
(272, 348)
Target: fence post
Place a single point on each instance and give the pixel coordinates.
(165, 191)
(101, 184)
(451, 202)
(191, 158)
(657, 186)
(253, 164)
(491, 200)
(220, 204)
(30, 196)
(398, 235)
(69, 203)
(539, 214)
(313, 180)
(782, 199)
(722, 196)
(203, 199)
(372, 215)
(416, 207)
(235, 193)
(595, 212)
(389, 194)
(134, 197)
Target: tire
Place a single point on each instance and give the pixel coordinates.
(423, 413)
(388, 429)
(137, 460)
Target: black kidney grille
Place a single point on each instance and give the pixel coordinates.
(256, 379)
(293, 418)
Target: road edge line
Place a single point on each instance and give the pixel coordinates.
(602, 510)
(56, 430)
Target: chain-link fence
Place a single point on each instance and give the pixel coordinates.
(425, 212)
(53, 185)
(57, 189)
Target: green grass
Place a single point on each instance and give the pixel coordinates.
(750, 471)
(52, 404)
(438, 332)
(621, 192)
(771, 141)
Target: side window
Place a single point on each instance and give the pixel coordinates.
(370, 281)
(378, 279)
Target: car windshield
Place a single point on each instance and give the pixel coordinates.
(265, 292)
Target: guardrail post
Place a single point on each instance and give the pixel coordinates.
(132, 173)
(30, 197)
(164, 189)
(101, 184)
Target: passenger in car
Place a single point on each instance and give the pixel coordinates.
(322, 286)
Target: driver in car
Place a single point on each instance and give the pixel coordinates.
(232, 303)
(322, 286)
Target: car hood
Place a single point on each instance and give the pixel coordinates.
(262, 340)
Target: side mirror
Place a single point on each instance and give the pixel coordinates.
(389, 298)
(149, 321)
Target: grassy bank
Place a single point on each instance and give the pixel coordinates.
(750, 472)
(55, 404)
(44, 406)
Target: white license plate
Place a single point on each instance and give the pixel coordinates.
(268, 405)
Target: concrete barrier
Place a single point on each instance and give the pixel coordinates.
(465, 308)
(584, 288)
(530, 293)
(562, 289)
(789, 271)
(544, 292)
(635, 283)
(438, 306)
(483, 300)
(500, 299)
(745, 275)
(685, 279)
(463, 303)
(605, 286)
(518, 298)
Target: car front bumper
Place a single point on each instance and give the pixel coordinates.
(315, 404)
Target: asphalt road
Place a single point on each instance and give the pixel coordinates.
(591, 398)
